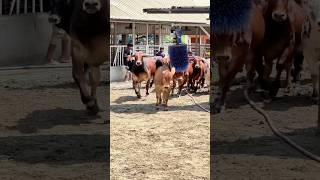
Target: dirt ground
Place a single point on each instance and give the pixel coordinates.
(243, 146)
(151, 144)
(45, 132)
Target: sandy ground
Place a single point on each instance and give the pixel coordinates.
(243, 146)
(45, 132)
(151, 144)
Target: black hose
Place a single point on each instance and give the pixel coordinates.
(279, 134)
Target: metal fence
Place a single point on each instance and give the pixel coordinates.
(17, 7)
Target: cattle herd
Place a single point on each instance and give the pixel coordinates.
(162, 73)
(255, 33)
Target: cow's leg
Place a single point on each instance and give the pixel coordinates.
(94, 76)
(313, 64)
(166, 93)
(151, 83)
(228, 68)
(79, 76)
(136, 87)
(286, 58)
(250, 67)
(288, 68)
(184, 80)
(298, 65)
(174, 84)
(147, 87)
(158, 96)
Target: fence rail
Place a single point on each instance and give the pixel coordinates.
(16, 7)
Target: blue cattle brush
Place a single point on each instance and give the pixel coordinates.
(227, 16)
(179, 57)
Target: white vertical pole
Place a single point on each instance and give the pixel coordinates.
(41, 6)
(160, 36)
(147, 47)
(25, 6)
(199, 41)
(18, 7)
(134, 36)
(33, 6)
(0, 7)
(13, 2)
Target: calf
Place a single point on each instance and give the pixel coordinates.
(87, 23)
(163, 77)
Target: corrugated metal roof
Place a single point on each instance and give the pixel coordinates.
(133, 10)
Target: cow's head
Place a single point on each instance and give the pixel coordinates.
(167, 78)
(139, 58)
(58, 9)
(92, 6)
(197, 63)
(279, 9)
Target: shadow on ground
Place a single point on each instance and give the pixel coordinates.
(56, 149)
(46, 119)
(270, 145)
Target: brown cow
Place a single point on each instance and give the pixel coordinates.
(163, 77)
(283, 19)
(197, 72)
(86, 21)
(143, 69)
(234, 46)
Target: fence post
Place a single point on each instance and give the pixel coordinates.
(33, 6)
(13, 2)
(25, 6)
(41, 5)
(18, 7)
(0, 7)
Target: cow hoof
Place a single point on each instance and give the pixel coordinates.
(166, 109)
(93, 110)
(216, 110)
(139, 96)
(315, 100)
(147, 94)
(274, 88)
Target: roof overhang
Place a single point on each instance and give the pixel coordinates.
(179, 10)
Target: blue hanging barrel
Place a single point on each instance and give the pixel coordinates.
(179, 57)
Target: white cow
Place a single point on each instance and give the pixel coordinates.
(311, 41)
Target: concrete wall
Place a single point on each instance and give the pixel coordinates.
(24, 39)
